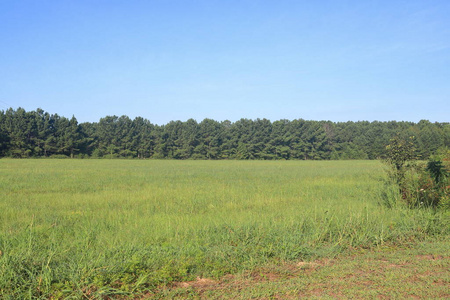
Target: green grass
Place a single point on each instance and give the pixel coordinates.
(419, 271)
(97, 228)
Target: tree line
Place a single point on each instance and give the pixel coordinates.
(25, 134)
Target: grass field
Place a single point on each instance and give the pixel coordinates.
(104, 228)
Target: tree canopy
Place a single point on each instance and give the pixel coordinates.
(40, 134)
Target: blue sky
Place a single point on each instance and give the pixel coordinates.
(174, 60)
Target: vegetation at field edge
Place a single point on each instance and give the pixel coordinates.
(40, 134)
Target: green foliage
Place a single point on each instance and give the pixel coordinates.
(419, 185)
(437, 171)
(400, 151)
(40, 134)
(437, 190)
(400, 154)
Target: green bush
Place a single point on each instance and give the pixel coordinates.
(419, 185)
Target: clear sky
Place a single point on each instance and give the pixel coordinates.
(226, 59)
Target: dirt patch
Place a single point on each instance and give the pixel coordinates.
(311, 265)
(322, 291)
(431, 257)
(198, 283)
(265, 276)
(440, 282)
(396, 266)
(307, 265)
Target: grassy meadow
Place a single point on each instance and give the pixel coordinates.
(119, 228)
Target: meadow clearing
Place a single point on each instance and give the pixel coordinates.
(121, 228)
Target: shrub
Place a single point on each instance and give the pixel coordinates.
(419, 185)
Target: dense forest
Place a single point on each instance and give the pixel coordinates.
(37, 133)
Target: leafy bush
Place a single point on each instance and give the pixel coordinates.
(419, 185)
(436, 190)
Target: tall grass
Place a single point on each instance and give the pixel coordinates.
(90, 228)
